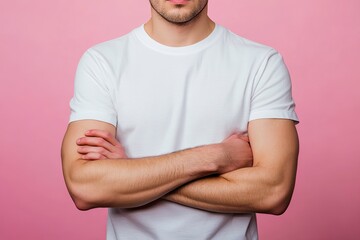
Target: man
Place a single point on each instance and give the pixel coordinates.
(183, 96)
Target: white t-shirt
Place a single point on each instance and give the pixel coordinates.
(163, 99)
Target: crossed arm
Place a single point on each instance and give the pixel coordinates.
(217, 177)
(265, 187)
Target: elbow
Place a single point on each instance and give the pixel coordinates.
(81, 194)
(279, 192)
(87, 196)
(278, 208)
(81, 190)
(82, 204)
(278, 200)
(81, 198)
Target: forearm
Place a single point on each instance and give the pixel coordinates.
(127, 183)
(134, 182)
(266, 187)
(241, 191)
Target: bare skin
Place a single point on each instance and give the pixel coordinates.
(266, 187)
(128, 183)
(181, 25)
(225, 177)
(235, 192)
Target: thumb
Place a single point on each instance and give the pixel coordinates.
(244, 137)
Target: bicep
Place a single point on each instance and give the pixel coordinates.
(76, 130)
(275, 147)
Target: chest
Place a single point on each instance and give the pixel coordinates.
(183, 102)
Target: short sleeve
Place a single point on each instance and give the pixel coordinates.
(271, 93)
(92, 98)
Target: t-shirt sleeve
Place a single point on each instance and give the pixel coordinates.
(271, 95)
(92, 97)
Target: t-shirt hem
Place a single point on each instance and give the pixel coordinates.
(275, 114)
(91, 116)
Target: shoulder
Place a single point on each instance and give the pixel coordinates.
(248, 49)
(112, 49)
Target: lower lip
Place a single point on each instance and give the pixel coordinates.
(179, 1)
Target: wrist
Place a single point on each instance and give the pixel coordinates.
(213, 157)
(201, 161)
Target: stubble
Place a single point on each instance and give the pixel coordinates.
(178, 17)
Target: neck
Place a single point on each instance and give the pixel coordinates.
(177, 35)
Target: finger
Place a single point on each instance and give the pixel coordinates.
(232, 136)
(98, 150)
(111, 150)
(89, 149)
(93, 156)
(244, 137)
(116, 155)
(95, 142)
(102, 134)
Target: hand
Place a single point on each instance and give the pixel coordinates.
(238, 153)
(99, 144)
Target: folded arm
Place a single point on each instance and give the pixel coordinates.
(134, 182)
(266, 187)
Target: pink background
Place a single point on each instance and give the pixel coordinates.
(41, 42)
